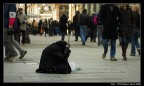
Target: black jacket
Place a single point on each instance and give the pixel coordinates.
(63, 21)
(54, 59)
(17, 26)
(109, 20)
(136, 20)
(125, 22)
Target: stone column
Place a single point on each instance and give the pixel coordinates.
(97, 8)
(94, 7)
(83, 6)
(89, 7)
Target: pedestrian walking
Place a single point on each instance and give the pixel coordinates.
(17, 31)
(9, 41)
(45, 26)
(39, 27)
(34, 27)
(84, 22)
(63, 27)
(76, 25)
(93, 27)
(135, 45)
(109, 14)
(125, 27)
(99, 30)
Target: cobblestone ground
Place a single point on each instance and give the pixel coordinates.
(88, 58)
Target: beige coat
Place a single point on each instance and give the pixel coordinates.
(22, 18)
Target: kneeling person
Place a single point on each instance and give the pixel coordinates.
(54, 59)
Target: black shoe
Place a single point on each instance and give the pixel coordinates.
(132, 54)
(124, 58)
(139, 51)
(103, 56)
(113, 59)
(83, 43)
(22, 54)
(76, 40)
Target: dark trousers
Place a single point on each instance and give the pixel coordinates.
(77, 31)
(46, 30)
(125, 42)
(93, 33)
(34, 32)
(23, 36)
(63, 36)
(17, 37)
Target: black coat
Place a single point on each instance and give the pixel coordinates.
(54, 59)
(126, 22)
(109, 19)
(63, 21)
(136, 20)
(17, 26)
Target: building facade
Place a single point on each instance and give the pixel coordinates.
(54, 11)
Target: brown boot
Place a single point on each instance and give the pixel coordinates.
(124, 48)
(124, 58)
(139, 51)
(103, 56)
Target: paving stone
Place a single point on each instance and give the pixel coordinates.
(88, 58)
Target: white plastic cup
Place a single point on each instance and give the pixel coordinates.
(72, 65)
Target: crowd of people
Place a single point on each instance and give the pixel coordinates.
(112, 22)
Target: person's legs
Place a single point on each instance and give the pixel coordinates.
(120, 40)
(23, 36)
(99, 37)
(10, 51)
(85, 33)
(125, 41)
(45, 29)
(94, 34)
(21, 51)
(62, 36)
(35, 32)
(137, 42)
(113, 50)
(105, 46)
(133, 41)
(91, 34)
(82, 33)
(17, 37)
(76, 32)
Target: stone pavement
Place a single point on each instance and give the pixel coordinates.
(88, 58)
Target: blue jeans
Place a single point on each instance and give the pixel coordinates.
(62, 36)
(83, 33)
(125, 40)
(99, 36)
(113, 47)
(134, 41)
